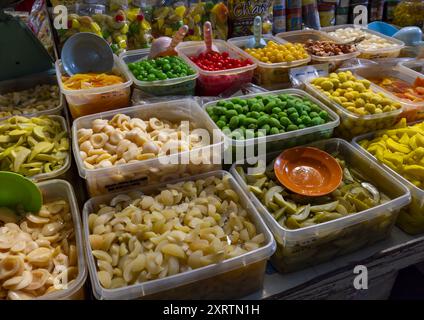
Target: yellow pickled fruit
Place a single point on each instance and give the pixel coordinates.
(180, 11)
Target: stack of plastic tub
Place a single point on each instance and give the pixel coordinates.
(315, 35)
(389, 52)
(230, 279)
(59, 189)
(412, 111)
(287, 139)
(212, 83)
(183, 86)
(411, 218)
(304, 247)
(352, 124)
(29, 82)
(154, 170)
(268, 75)
(88, 101)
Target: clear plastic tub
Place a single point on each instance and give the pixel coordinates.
(286, 139)
(88, 101)
(184, 86)
(212, 83)
(413, 65)
(29, 82)
(352, 124)
(411, 111)
(390, 52)
(104, 180)
(411, 218)
(59, 173)
(302, 36)
(230, 279)
(59, 189)
(301, 248)
(269, 75)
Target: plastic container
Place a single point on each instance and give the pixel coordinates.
(411, 111)
(88, 101)
(305, 247)
(305, 35)
(269, 75)
(59, 173)
(59, 189)
(184, 86)
(104, 180)
(390, 52)
(230, 279)
(411, 218)
(287, 139)
(212, 83)
(29, 82)
(352, 124)
(414, 65)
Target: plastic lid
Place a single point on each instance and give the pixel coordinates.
(308, 171)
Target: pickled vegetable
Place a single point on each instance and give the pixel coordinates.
(274, 52)
(401, 149)
(353, 94)
(401, 88)
(294, 211)
(40, 98)
(32, 146)
(90, 80)
(266, 115)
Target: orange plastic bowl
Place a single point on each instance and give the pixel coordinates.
(308, 171)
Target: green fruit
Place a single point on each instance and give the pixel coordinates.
(274, 130)
(292, 127)
(234, 122)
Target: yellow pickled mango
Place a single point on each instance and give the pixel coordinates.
(404, 139)
(394, 158)
(419, 139)
(180, 11)
(394, 146)
(401, 124)
(415, 170)
(413, 142)
(19, 154)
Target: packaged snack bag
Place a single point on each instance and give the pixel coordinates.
(242, 13)
(294, 15)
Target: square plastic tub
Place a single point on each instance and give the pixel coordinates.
(269, 75)
(411, 218)
(412, 111)
(104, 180)
(232, 278)
(302, 36)
(59, 189)
(305, 247)
(212, 83)
(286, 139)
(413, 65)
(184, 86)
(390, 52)
(29, 82)
(352, 124)
(59, 173)
(88, 101)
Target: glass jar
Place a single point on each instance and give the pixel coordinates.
(409, 13)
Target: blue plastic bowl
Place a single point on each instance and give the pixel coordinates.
(383, 27)
(86, 52)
